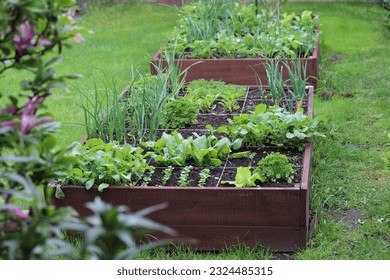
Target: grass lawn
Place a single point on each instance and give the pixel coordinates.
(350, 187)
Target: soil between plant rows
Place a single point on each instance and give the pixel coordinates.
(227, 171)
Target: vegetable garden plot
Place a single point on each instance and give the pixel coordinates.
(216, 214)
(216, 42)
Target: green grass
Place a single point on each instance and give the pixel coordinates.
(350, 188)
(348, 173)
(120, 37)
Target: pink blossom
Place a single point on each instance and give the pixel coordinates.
(24, 37)
(44, 42)
(28, 117)
(18, 211)
(78, 38)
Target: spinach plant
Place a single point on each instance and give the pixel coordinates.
(170, 149)
(211, 151)
(174, 149)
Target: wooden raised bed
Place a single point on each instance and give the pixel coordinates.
(239, 71)
(215, 217)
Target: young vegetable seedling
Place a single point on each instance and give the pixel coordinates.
(203, 176)
(183, 180)
(167, 173)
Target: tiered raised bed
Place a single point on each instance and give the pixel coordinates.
(214, 216)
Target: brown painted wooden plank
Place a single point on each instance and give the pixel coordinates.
(282, 239)
(238, 71)
(200, 206)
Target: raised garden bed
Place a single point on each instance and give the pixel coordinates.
(239, 71)
(216, 42)
(217, 215)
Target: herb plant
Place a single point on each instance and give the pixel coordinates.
(179, 112)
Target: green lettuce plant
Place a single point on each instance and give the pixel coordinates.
(275, 167)
(245, 178)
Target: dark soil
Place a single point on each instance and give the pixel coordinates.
(213, 119)
(350, 217)
(227, 171)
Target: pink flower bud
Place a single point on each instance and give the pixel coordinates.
(78, 38)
